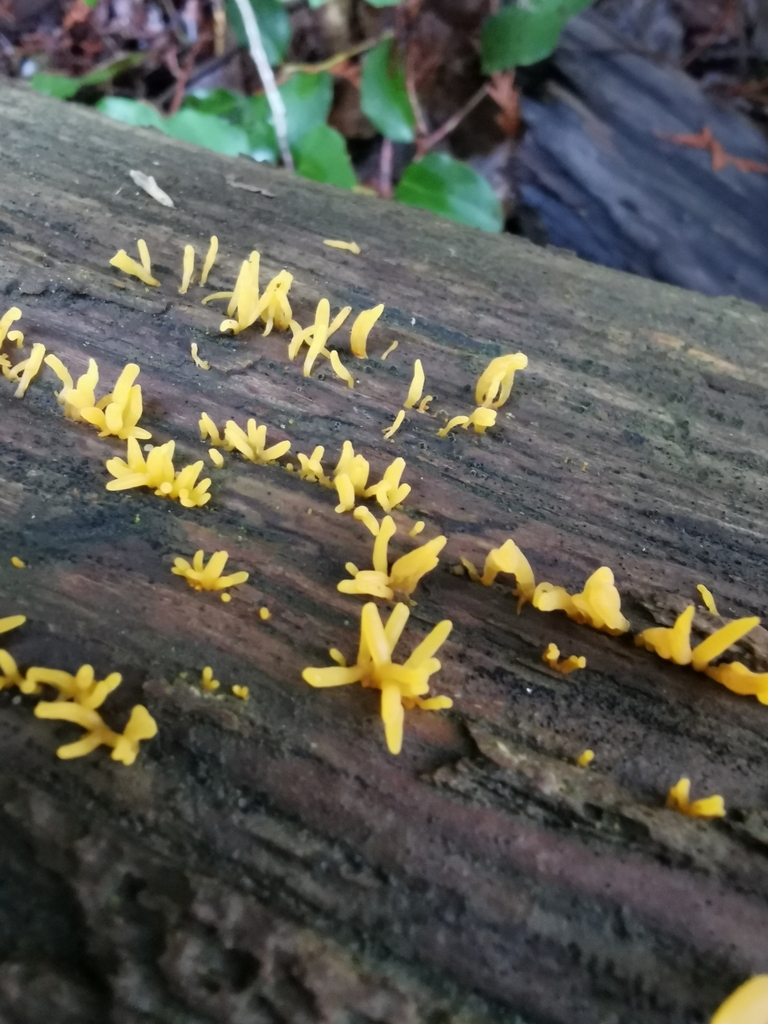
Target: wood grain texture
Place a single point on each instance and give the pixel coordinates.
(269, 860)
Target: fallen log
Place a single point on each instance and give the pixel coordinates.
(270, 860)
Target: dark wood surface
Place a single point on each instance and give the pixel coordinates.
(269, 860)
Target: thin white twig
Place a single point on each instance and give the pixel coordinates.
(260, 59)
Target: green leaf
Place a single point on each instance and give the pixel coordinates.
(518, 36)
(63, 87)
(383, 96)
(142, 115)
(206, 130)
(322, 155)
(451, 188)
(384, 3)
(257, 122)
(274, 25)
(221, 102)
(308, 100)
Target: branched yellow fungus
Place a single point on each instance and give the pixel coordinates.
(141, 726)
(598, 605)
(747, 1005)
(719, 642)
(304, 335)
(551, 657)
(10, 317)
(241, 692)
(25, 371)
(401, 685)
(251, 445)
(389, 492)
(395, 426)
(265, 614)
(678, 800)
(157, 473)
(188, 268)
(481, 418)
(350, 477)
(207, 577)
(405, 573)
(128, 265)
(210, 258)
(361, 328)
(82, 687)
(708, 600)
(674, 643)
(416, 389)
(739, 679)
(203, 364)
(333, 243)
(207, 681)
(311, 469)
(116, 414)
(508, 558)
(495, 382)
(12, 622)
(209, 430)
(390, 350)
(74, 398)
(368, 519)
(585, 758)
(246, 304)
(17, 563)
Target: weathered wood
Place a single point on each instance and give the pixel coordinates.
(270, 861)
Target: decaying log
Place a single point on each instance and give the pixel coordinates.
(270, 861)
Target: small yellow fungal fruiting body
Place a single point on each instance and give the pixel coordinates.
(405, 573)
(207, 577)
(141, 726)
(216, 457)
(739, 679)
(251, 443)
(311, 469)
(143, 270)
(17, 563)
(481, 418)
(10, 317)
(392, 430)
(747, 1005)
(678, 800)
(585, 758)
(74, 398)
(157, 473)
(207, 681)
(333, 243)
(416, 390)
(350, 477)
(367, 518)
(188, 268)
(551, 657)
(598, 605)
(361, 328)
(25, 371)
(12, 622)
(210, 257)
(719, 642)
(495, 383)
(674, 643)
(389, 492)
(390, 350)
(203, 364)
(265, 614)
(706, 597)
(508, 558)
(402, 686)
(241, 692)
(417, 528)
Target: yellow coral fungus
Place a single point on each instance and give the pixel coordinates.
(188, 267)
(405, 573)
(203, 364)
(481, 418)
(10, 317)
(118, 413)
(416, 528)
(361, 328)
(495, 382)
(157, 472)
(251, 443)
(74, 398)
(141, 726)
(401, 685)
(12, 622)
(207, 681)
(333, 243)
(674, 643)
(678, 800)
(310, 467)
(508, 558)
(350, 477)
(706, 597)
(416, 389)
(82, 687)
(389, 492)
(598, 605)
(128, 265)
(367, 518)
(265, 614)
(390, 350)
(585, 758)
(17, 563)
(395, 426)
(739, 679)
(747, 1005)
(719, 642)
(216, 457)
(303, 336)
(25, 371)
(9, 672)
(208, 429)
(241, 692)
(210, 257)
(551, 657)
(207, 577)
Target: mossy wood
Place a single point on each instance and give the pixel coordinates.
(270, 861)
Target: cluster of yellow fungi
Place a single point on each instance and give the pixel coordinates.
(78, 698)
(27, 369)
(202, 576)
(158, 474)
(403, 576)
(492, 390)
(116, 414)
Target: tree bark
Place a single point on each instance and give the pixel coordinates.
(269, 860)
